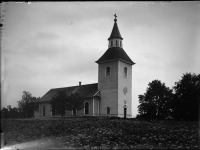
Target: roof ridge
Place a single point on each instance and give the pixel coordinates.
(63, 87)
(86, 90)
(73, 86)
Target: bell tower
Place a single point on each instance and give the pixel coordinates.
(115, 78)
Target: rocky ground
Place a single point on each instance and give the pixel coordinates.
(100, 133)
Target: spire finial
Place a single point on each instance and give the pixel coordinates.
(115, 17)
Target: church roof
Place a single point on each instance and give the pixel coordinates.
(115, 53)
(115, 32)
(85, 91)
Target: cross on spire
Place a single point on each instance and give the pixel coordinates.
(115, 17)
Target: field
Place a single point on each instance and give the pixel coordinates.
(102, 133)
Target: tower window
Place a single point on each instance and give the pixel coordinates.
(125, 72)
(120, 43)
(116, 42)
(108, 71)
(108, 110)
(111, 43)
(86, 108)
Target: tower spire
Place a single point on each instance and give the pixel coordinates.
(115, 31)
(115, 47)
(115, 39)
(115, 18)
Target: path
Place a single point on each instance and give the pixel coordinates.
(46, 143)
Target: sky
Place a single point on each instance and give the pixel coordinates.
(47, 45)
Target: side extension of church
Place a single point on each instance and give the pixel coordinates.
(112, 95)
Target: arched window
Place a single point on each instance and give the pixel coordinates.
(120, 43)
(111, 43)
(125, 72)
(43, 111)
(108, 110)
(108, 71)
(116, 43)
(86, 108)
(52, 111)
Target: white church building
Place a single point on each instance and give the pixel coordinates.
(112, 95)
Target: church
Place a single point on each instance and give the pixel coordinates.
(112, 95)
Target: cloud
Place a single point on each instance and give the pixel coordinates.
(47, 36)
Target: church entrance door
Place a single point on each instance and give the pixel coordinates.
(124, 112)
(74, 112)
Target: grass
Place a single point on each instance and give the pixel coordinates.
(104, 133)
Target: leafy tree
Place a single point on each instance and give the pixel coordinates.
(75, 102)
(4, 113)
(61, 102)
(187, 97)
(12, 112)
(9, 112)
(156, 101)
(15, 112)
(36, 103)
(26, 105)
